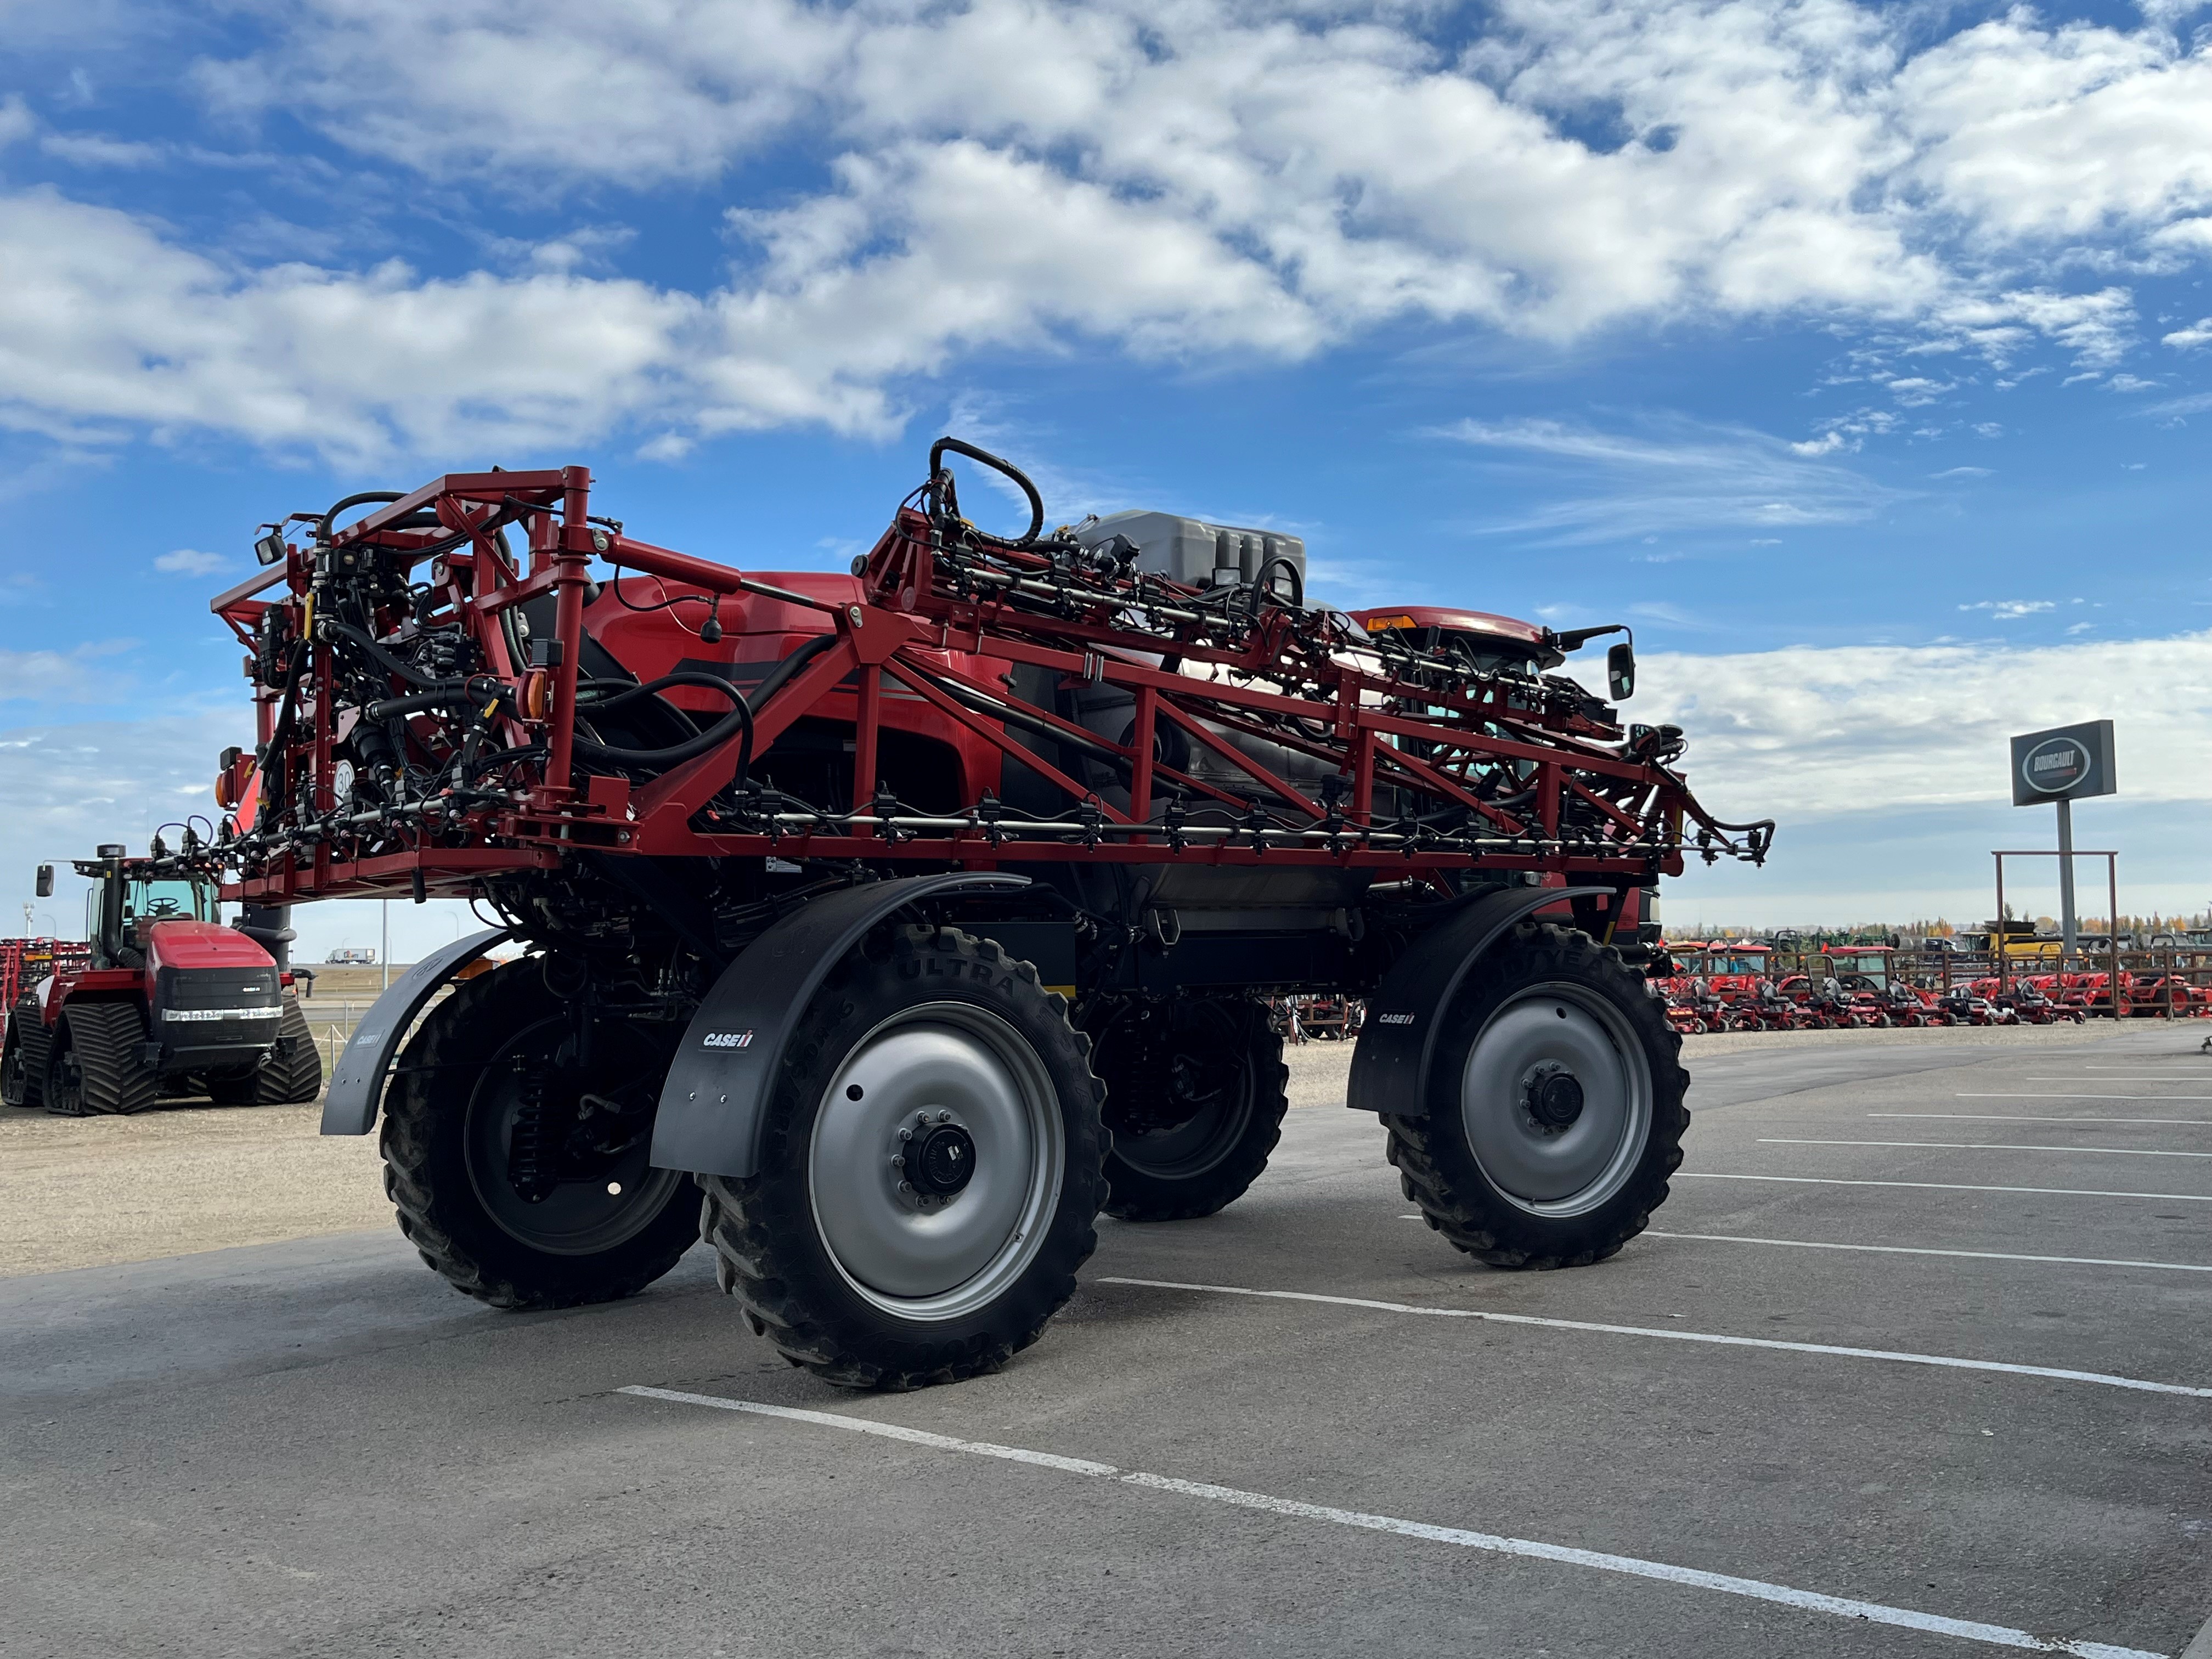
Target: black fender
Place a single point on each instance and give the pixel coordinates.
(1398, 1040)
(716, 1093)
(357, 1084)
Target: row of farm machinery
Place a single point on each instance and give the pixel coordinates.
(1730, 986)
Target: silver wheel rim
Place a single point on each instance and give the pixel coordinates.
(1542, 1167)
(909, 1256)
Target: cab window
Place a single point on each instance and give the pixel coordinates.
(169, 900)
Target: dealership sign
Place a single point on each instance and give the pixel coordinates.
(2063, 764)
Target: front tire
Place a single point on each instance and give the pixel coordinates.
(1555, 1108)
(1196, 1094)
(929, 1172)
(519, 1172)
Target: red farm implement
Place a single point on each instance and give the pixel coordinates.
(922, 912)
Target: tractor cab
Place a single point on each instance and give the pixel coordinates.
(127, 901)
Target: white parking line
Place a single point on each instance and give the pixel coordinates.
(1943, 1187)
(2014, 1117)
(2111, 1071)
(1489, 1317)
(2017, 1095)
(1842, 1607)
(1983, 1146)
(2115, 1077)
(1904, 1250)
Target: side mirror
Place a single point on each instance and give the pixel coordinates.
(46, 887)
(1620, 672)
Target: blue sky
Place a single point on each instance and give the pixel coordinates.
(1860, 357)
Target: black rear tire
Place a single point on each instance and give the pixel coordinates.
(90, 1069)
(1195, 1093)
(24, 1057)
(916, 1016)
(465, 1149)
(1491, 1166)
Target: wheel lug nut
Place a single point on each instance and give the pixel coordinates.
(906, 1135)
(945, 1117)
(906, 1189)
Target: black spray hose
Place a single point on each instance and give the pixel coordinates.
(1261, 582)
(384, 660)
(779, 676)
(944, 504)
(738, 721)
(443, 694)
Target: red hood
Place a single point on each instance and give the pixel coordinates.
(200, 945)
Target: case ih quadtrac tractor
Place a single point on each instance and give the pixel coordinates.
(168, 1003)
(910, 918)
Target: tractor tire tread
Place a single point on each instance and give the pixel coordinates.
(1230, 1180)
(754, 1260)
(1467, 1219)
(410, 1157)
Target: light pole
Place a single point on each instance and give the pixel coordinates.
(2066, 876)
(384, 947)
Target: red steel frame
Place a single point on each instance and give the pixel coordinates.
(920, 616)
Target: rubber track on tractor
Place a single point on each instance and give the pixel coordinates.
(113, 1083)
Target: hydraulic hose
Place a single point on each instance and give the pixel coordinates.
(384, 660)
(444, 694)
(944, 502)
(1261, 582)
(779, 676)
(737, 722)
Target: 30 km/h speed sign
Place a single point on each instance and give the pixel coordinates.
(2066, 763)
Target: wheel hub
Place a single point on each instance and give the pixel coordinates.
(1553, 1095)
(936, 1158)
(933, 1158)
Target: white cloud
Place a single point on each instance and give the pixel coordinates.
(1813, 731)
(108, 323)
(2197, 334)
(186, 562)
(1847, 432)
(1682, 477)
(2011, 610)
(1182, 178)
(59, 677)
(17, 121)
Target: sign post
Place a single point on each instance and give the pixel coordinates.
(2062, 766)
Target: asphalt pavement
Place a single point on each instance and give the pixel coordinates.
(1913, 1362)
